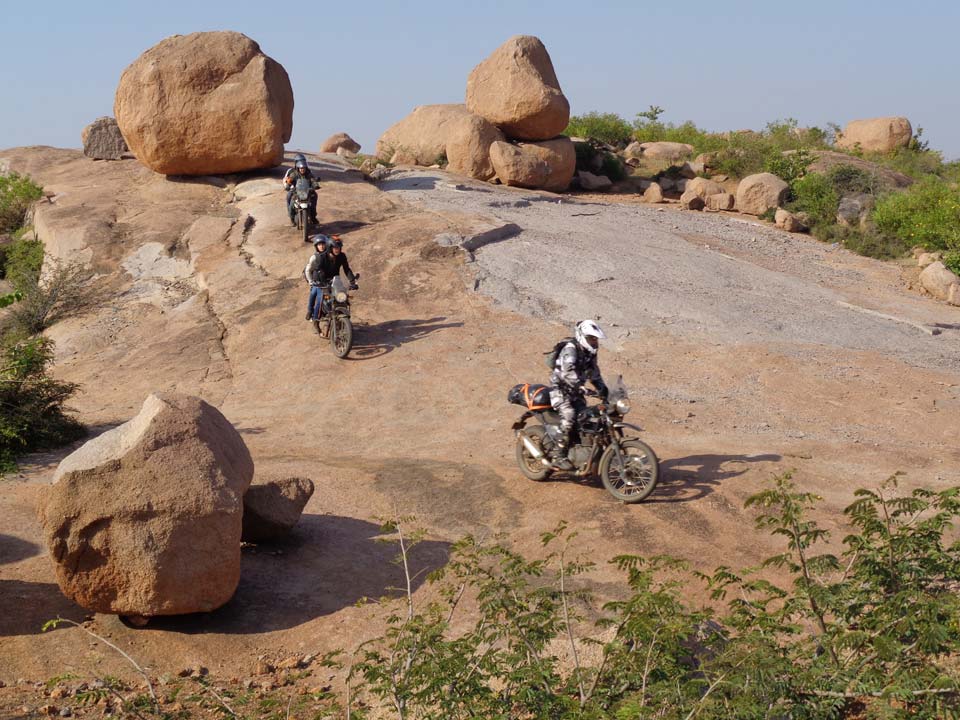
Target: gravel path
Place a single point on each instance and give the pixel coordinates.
(709, 277)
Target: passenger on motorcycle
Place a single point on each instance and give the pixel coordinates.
(300, 169)
(325, 264)
(575, 365)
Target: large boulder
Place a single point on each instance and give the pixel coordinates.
(433, 132)
(703, 187)
(340, 140)
(938, 280)
(664, 150)
(145, 519)
(880, 135)
(102, 140)
(205, 103)
(517, 90)
(545, 165)
(761, 192)
(824, 160)
(272, 508)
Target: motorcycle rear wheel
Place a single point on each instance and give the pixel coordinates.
(341, 335)
(634, 483)
(531, 467)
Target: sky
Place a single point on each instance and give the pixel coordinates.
(360, 66)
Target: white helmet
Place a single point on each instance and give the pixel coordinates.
(587, 329)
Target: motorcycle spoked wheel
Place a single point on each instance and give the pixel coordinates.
(531, 467)
(634, 483)
(341, 335)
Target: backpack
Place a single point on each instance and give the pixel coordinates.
(550, 357)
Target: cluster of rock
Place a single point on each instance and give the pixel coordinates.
(205, 103)
(936, 278)
(147, 518)
(508, 130)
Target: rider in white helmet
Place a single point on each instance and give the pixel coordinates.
(575, 365)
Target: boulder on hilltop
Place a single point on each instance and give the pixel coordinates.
(340, 140)
(881, 135)
(145, 519)
(205, 103)
(516, 89)
(102, 140)
(433, 132)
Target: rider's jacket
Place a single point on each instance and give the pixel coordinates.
(574, 367)
(325, 266)
(290, 177)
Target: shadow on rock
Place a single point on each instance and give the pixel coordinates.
(340, 226)
(26, 606)
(695, 476)
(410, 182)
(371, 341)
(328, 563)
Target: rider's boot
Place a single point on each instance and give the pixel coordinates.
(558, 457)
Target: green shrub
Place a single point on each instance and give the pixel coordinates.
(791, 166)
(17, 192)
(613, 167)
(927, 213)
(605, 127)
(34, 415)
(952, 260)
(65, 290)
(22, 262)
(849, 180)
(815, 195)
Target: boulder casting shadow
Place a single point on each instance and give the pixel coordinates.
(26, 606)
(328, 563)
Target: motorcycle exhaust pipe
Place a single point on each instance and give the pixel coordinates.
(533, 449)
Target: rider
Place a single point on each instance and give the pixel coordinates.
(324, 265)
(300, 169)
(576, 364)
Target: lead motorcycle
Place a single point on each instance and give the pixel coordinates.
(601, 442)
(333, 320)
(301, 205)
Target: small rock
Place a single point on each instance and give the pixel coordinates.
(58, 693)
(928, 258)
(48, 710)
(289, 663)
(653, 194)
(264, 667)
(589, 181)
(690, 200)
(720, 201)
(66, 712)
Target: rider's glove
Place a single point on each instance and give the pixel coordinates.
(354, 286)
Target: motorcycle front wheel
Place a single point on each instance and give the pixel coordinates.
(633, 483)
(341, 335)
(302, 224)
(531, 467)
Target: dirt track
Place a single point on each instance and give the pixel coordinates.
(740, 367)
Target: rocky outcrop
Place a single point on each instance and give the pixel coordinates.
(205, 103)
(881, 135)
(939, 281)
(666, 150)
(145, 519)
(271, 509)
(824, 160)
(339, 140)
(761, 192)
(548, 165)
(102, 140)
(434, 133)
(516, 89)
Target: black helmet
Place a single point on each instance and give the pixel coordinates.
(336, 242)
(320, 242)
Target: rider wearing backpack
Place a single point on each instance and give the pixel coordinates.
(300, 169)
(574, 364)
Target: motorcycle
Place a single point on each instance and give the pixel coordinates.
(333, 320)
(301, 205)
(600, 443)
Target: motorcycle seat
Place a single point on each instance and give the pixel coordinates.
(550, 417)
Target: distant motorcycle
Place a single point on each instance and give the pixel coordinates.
(627, 466)
(301, 205)
(334, 320)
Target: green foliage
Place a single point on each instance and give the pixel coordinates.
(815, 195)
(22, 262)
(869, 632)
(609, 128)
(17, 192)
(850, 180)
(613, 167)
(868, 242)
(952, 260)
(34, 416)
(927, 213)
(10, 298)
(790, 167)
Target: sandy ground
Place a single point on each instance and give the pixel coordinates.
(739, 344)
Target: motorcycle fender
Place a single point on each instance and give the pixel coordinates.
(621, 425)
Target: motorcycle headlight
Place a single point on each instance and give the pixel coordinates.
(623, 406)
(341, 297)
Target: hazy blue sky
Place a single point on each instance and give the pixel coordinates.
(359, 66)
